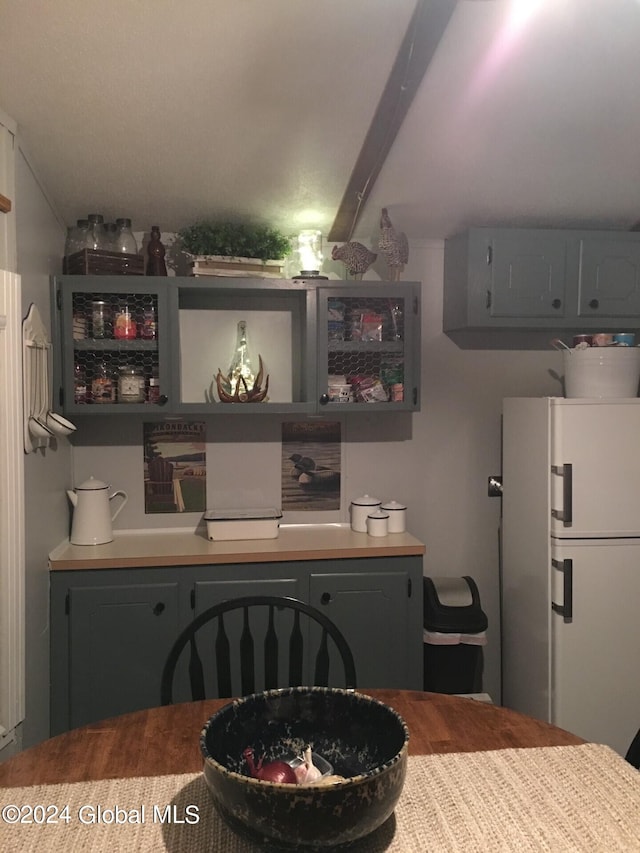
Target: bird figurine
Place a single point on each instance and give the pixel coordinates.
(356, 258)
(393, 245)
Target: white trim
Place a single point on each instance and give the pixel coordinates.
(12, 545)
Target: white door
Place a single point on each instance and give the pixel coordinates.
(595, 468)
(12, 582)
(595, 688)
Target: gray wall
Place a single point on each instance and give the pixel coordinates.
(437, 461)
(40, 238)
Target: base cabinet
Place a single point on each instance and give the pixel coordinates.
(111, 629)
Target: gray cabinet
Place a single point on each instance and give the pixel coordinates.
(292, 333)
(111, 629)
(517, 288)
(110, 637)
(375, 611)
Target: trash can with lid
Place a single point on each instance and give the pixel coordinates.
(454, 633)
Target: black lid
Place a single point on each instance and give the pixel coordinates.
(452, 618)
(124, 223)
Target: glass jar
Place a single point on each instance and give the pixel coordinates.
(148, 327)
(124, 325)
(101, 319)
(131, 384)
(124, 241)
(97, 236)
(153, 391)
(110, 231)
(103, 384)
(80, 390)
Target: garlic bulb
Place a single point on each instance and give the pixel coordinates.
(307, 773)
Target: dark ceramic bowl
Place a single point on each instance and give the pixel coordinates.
(364, 740)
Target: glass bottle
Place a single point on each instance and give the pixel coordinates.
(124, 240)
(124, 325)
(241, 367)
(81, 235)
(148, 325)
(96, 232)
(101, 322)
(153, 391)
(156, 251)
(110, 230)
(103, 385)
(80, 391)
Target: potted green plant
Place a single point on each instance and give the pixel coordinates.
(234, 248)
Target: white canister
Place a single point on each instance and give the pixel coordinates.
(397, 516)
(378, 523)
(360, 509)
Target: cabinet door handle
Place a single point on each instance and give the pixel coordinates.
(163, 400)
(594, 303)
(325, 598)
(565, 515)
(566, 608)
(557, 303)
(324, 399)
(157, 610)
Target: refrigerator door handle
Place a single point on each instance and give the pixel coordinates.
(566, 513)
(566, 608)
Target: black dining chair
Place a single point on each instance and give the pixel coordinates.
(633, 753)
(226, 640)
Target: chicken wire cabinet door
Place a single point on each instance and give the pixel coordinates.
(369, 347)
(112, 343)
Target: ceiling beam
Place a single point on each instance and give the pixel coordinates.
(423, 35)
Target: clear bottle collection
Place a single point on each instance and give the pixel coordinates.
(96, 234)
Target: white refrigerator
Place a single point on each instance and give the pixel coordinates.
(570, 564)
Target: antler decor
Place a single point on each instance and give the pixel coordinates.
(242, 393)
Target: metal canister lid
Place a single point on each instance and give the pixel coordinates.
(393, 506)
(378, 513)
(366, 500)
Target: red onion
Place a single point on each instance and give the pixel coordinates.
(274, 771)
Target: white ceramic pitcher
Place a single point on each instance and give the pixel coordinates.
(92, 516)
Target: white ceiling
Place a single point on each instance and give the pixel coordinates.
(169, 112)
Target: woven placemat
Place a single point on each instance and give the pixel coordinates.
(556, 799)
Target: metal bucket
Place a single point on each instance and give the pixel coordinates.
(601, 372)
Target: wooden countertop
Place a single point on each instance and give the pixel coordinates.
(138, 549)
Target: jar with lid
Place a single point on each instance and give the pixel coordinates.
(131, 384)
(103, 384)
(97, 236)
(101, 319)
(81, 236)
(153, 390)
(148, 327)
(80, 391)
(124, 241)
(378, 523)
(124, 326)
(110, 231)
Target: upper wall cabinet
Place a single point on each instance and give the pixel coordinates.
(513, 288)
(229, 345)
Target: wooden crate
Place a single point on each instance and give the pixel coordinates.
(100, 262)
(222, 265)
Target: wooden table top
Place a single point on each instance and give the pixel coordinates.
(165, 740)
